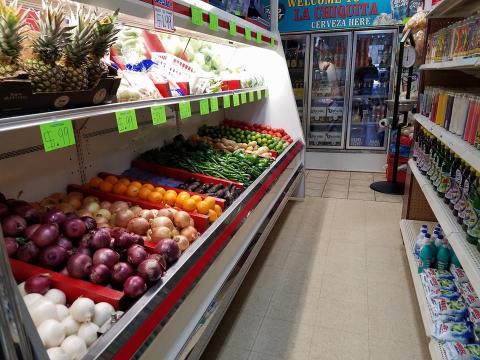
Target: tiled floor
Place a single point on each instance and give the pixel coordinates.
(331, 283)
(345, 185)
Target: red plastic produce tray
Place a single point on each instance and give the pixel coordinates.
(181, 174)
(220, 202)
(73, 288)
(201, 221)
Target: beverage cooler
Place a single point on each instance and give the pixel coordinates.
(348, 76)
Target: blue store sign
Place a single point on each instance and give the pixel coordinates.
(317, 15)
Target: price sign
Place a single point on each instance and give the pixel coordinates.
(258, 39)
(213, 24)
(259, 94)
(184, 109)
(226, 101)
(204, 107)
(251, 96)
(248, 34)
(126, 120)
(159, 116)
(163, 15)
(236, 100)
(197, 17)
(272, 41)
(232, 28)
(266, 93)
(56, 135)
(243, 97)
(214, 104)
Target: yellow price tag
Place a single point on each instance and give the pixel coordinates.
(236, 100)
(126, 120)
(259, 94)
(226, 101)
(232, 28)
(159, 115)
(204, 108)
(214, 104)
(248, 34)
(197, 17)
(251, 96)
(57, 135)
(184, 109)
(243, 97)
(213, 22)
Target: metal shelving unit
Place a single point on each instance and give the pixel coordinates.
(453, 8)
(458, 64)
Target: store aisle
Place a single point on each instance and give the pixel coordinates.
(331, 283)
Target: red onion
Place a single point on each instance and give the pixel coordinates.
(100, 274)
(26, 211)
(74, 228)
(85, 250)
(134, 286)
(38, 284)
(30, 230)
(28, 252)
(13, 225)
(53, 257)
(55, 217)
(136, 254)
(124, 241)
(89, 222)
(150, 270)
(161, 260)
(79, 265)
(169, 249)
(45, 235)
(100, 238)
(71, 215)
(115, 232)
(3, 210)
(11, 245)
(107, 257)
(121, 271)
(64, 242)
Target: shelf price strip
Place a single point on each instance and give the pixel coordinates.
(184, 109)
(159, 115)
(204, 107)
(57, 135)
(126, 120)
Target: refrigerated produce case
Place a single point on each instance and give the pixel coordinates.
(176, 316)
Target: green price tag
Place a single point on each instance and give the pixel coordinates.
(185, 109)
(248, 34)
(197, 17)
(259, 94)
(159, 116)
(56, 135)
(259, 37)
(204, 109)
(266, 93)
(213, 25)
(214, 104)
(251, 96)
(272, 41)
(126, 120)
(243, 97)
(232, 28)
(236, 100)
(226, 101)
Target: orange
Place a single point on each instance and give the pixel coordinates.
(173, 192)
(111, 179)
(160, 190)
(189, 205)
(202, 207)
(218, 209)
(148, 186)
(132, 191)
(95, 182)
(124, 181)
(212, 215)
(143, 193)
(210, 201)
(106, 186)
(181, 197)
(170, 198)
(155, 197)
(120, 188)
(136, 184)
(196, 198)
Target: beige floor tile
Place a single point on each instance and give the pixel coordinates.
(339, 314)
(338, 182)
(225, 353)
(284, 339)
(316, 180)
(335, 194)
(395, 257)
(360, 187)
(255, 355)
(336, 187)
(378, 272)
(381, 349)
(361, 176)
(314, 186)
(379, 177)
(294, 307)
(340, 250)
(393, 297)
(339, 174)
(388, 198)
(313, 193)
(240, 329)
(353, 268)
(357, 195)
(340, 288)
(316, 246)
(338, 344)
(318, 173)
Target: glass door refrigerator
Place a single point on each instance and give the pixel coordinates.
(297, 55)
(371, 79)
(329, 80)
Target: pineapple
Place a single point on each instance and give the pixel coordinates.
(12, 34)
(44, 73)
(75, 54)
(104, 36)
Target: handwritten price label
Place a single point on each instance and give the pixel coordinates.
(213, 22)
(236, 100)
(258, 39)
(226, 101)
(259, 94)
(184, 109)
(57, 135)
(126, 120)
(248, 34)
(232, 28)
(159, 116)
(204, 107)
(163, 16)
(243, 97)
(251, 96)
(197, 17)
(214, 104)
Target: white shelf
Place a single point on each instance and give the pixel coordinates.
(467, 253)
(454, 8)
(458, 64)
(409, 230)
(462, 148)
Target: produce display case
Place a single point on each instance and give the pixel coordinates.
(177, 315)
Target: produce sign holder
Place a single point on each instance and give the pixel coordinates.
(182, 174)
(18, 95)
(219, 202)
(73, 288)
(201, 221)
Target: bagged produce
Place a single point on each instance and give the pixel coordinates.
(458, 274)
(442, 293)
(442, 306)
(434, 283)
(439, 274)
(460, 332)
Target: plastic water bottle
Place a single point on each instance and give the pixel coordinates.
(426, 255)
(438, 228)
(420, 240)
(434, 252)
(443, 256)
(438, 240)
